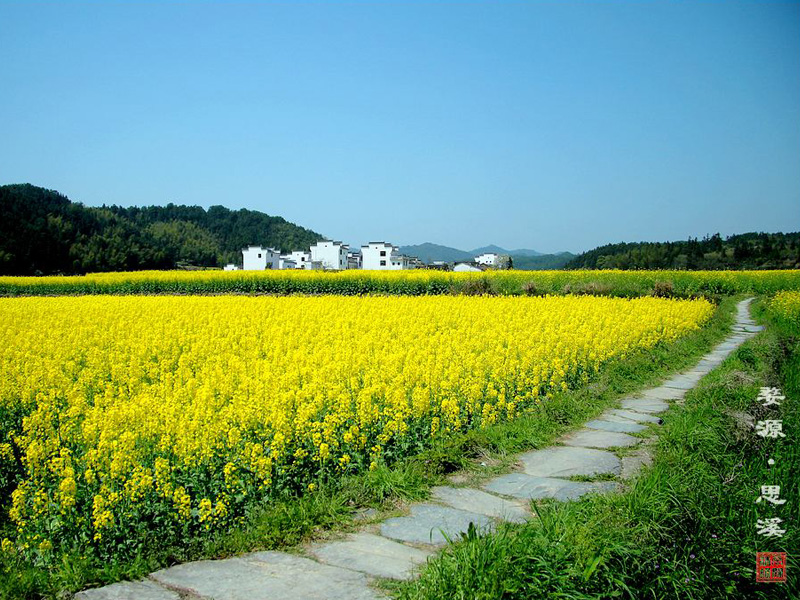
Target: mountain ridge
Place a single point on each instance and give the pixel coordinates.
(44, 232)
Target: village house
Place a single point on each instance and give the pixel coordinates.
(354, 259)
(285, 263)
(298, 260)
(469, 267)
(332, 255)
(490, 259)
(230, 267)
(382, 256)
(256, 258)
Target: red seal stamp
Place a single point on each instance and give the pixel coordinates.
(771, 567)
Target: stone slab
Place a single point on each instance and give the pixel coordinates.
(266, 576)
(128, 590)
(371, 554)
(663, 393)
(682, 382)
(432, 524)
(592, 438)
(709, 364)
(698, 373)
(609, 416)
(636, 416)
(480, 502)
(529, 487)
(750, 328)
(615, 426)
(566, 461)
(644, 405)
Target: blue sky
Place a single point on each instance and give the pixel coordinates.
(546, 125)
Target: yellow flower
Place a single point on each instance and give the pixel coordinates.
(131, 401)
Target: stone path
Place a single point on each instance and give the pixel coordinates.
(344, 569)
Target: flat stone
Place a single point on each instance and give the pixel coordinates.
(636, 416)
(681, 382)
(266, 576)
(373, 555)
(726, 347)
(128, 590)
(482, 503)
(698, 373)
(632, 464)
(609, 416)
(644, 405)
(751, 328)
(615, 426)
(566, 461)
(709, 365)
(433, 524)
(529, 487)
(663, 393)
(599, 439)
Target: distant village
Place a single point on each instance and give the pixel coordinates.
(336, 256)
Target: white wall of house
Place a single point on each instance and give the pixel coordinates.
(377, 256)
(354, 260)
(488, 258)
(230, 267)
(302, 260)
(256, 258)
(466, 267)
(285, 263)
(332, 255)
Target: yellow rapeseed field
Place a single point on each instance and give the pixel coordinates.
(123, 415)
(786, 305)
(410, 282)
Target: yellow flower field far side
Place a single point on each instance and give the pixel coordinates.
(122, 414)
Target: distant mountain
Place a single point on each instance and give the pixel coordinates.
(429, 252)
(523, 259)
(499, 250)
(43, 232)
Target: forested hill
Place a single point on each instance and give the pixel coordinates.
(745, 251)
(43, 232)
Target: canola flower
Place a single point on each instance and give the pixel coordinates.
(121, 417)
(786, 305)
(412, 282)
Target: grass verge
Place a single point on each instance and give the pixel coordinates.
(287, 522)
(685, 529)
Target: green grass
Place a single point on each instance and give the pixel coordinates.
(286, 522)
(685, 529)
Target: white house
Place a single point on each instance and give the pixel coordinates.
(354, 259)
(256, 258)
(301, 260)
(490, 259)
(230, 267)
(286, 263)
(381, 256)
(332, 255)
(469, 267)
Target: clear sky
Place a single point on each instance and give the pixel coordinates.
(549, 125)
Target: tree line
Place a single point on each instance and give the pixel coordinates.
(744, 251)
(42, 232)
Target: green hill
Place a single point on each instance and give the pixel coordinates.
(43, 232)
(542, 262)
(745, 251)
